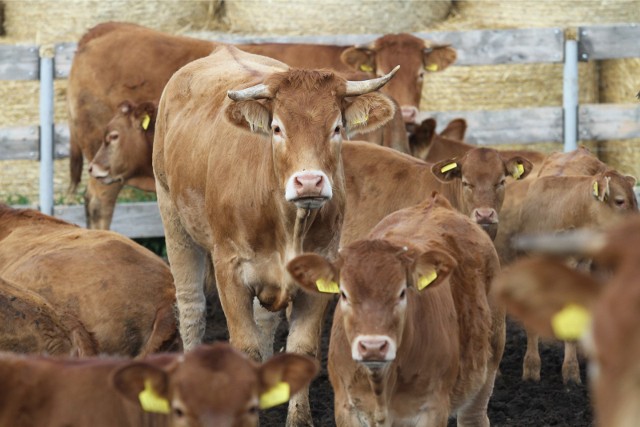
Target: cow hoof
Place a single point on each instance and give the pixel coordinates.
(531, 373)
(571, 374)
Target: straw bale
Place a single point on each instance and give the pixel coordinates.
(19, 181)
(299, 17)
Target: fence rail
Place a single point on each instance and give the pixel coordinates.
(481, 47)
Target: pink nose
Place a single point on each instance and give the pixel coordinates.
(308, 184)
(373, 349)
(409, 114)
(485, 215)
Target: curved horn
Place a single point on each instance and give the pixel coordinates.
(259, 91)
(366, 86)
(577, 242)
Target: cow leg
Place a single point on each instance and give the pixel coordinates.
(570, 365)
(188, 266)
(267, 322)
(99, 202)
(305, 329)
(531, 364)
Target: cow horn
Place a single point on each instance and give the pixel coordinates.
(259, 91)
(577, 242)
(355, 88)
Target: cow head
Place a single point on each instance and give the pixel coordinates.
(214, 386)
(424, 137)
(416, 57)
(128, 141)
(306, 114)
(615, 191)
(481, 174)
(376, 281)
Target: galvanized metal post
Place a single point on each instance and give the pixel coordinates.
(46, 130)
(570, 95)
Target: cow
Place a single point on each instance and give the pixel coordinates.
(210, 386)
(117, 62)
(600, 311)
(580, 161)
(29, 324)
(249, 170)
(121, 292)
(380, 181)
(415, 336)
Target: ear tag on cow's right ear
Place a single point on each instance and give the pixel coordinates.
(426, 280)
(571, 322)
(518, 170)
(595, 189)
(145, 121)
(366, 68)
(327, 286)
(449, 167)
(431, 67)
(276, 395)
(152, 401)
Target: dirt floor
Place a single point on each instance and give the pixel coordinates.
(514, 403)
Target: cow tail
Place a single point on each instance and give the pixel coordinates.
(75, 167)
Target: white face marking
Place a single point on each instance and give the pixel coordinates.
(391, 351)
(311, 183)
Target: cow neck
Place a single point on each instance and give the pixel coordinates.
(301, 226)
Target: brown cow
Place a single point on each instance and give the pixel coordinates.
(414, 336)
(380, 181)
(120, 291)
(555, 300)
(249, 170)
(576, 162)
(29, 324)
(211, 386)
(115, 62)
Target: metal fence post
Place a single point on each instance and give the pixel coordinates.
(46, 130)
(570, 95)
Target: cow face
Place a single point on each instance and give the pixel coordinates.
(416, 58)
(127, 145)
(482, 173)
(214, 386)
(376, 281)
(306, 114)
(615, 191)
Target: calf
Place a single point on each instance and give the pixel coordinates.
(415, 337)
(120, 291)
(211, 386)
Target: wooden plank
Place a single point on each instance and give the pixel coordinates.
(609, 121)
(19, 62)
(135, 220)
(608, 42)
(514, 126)
(64, 53)
(22, 143)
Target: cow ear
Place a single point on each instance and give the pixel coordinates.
(145, 384)
(548, 297)
(447, 170)
(283, 376)
(252, 116)
(368, 112)
(456, 129)
(145, 113)
(600, 187)
(359, 59)
(518, 167)
(432, 268)
(438, 57)
(315, 273)
(421, 140)
(631, 180)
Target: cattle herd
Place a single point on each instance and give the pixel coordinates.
(291, 178)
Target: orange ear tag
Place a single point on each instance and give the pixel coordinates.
(276, 395)
(426, 280)
(327, 286)
(448, 167)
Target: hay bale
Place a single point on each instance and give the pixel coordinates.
(287, 17)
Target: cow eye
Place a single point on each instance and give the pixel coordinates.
(253, 410)
(501, 183)
(276, 130)
(403, 294)
(343, 295)
(177, 412)
(421, 75)
(337, 130)
(619, 201)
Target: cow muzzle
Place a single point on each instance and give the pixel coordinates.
(487, 218)
(101, 174)
(373, 351)
(308, 189)
(409, 114)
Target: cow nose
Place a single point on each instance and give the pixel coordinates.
(308, 184)
(373, 349)
(409, 114)
(485, 215)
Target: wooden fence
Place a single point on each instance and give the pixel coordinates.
(482, 47)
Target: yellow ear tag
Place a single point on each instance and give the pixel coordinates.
(425, 281)
(366, 68)
(145, 121)
(431, 67)
(518, 170)
(356, 122)
(276, 395)
(449, 167)
(327, 286)
(151, 401)
(571, 322)
(595, 189)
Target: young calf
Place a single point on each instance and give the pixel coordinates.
(415, 336)
(211, 386)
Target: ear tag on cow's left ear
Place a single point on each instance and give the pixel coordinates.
(366, 68)
(152, 401)
(145, 121)
(518, 170)
(571, 322)
(360, 121)
(276, 395)
(327, 286)
(431, 67)
(595, 189)
(426, 280)
(447, 168)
